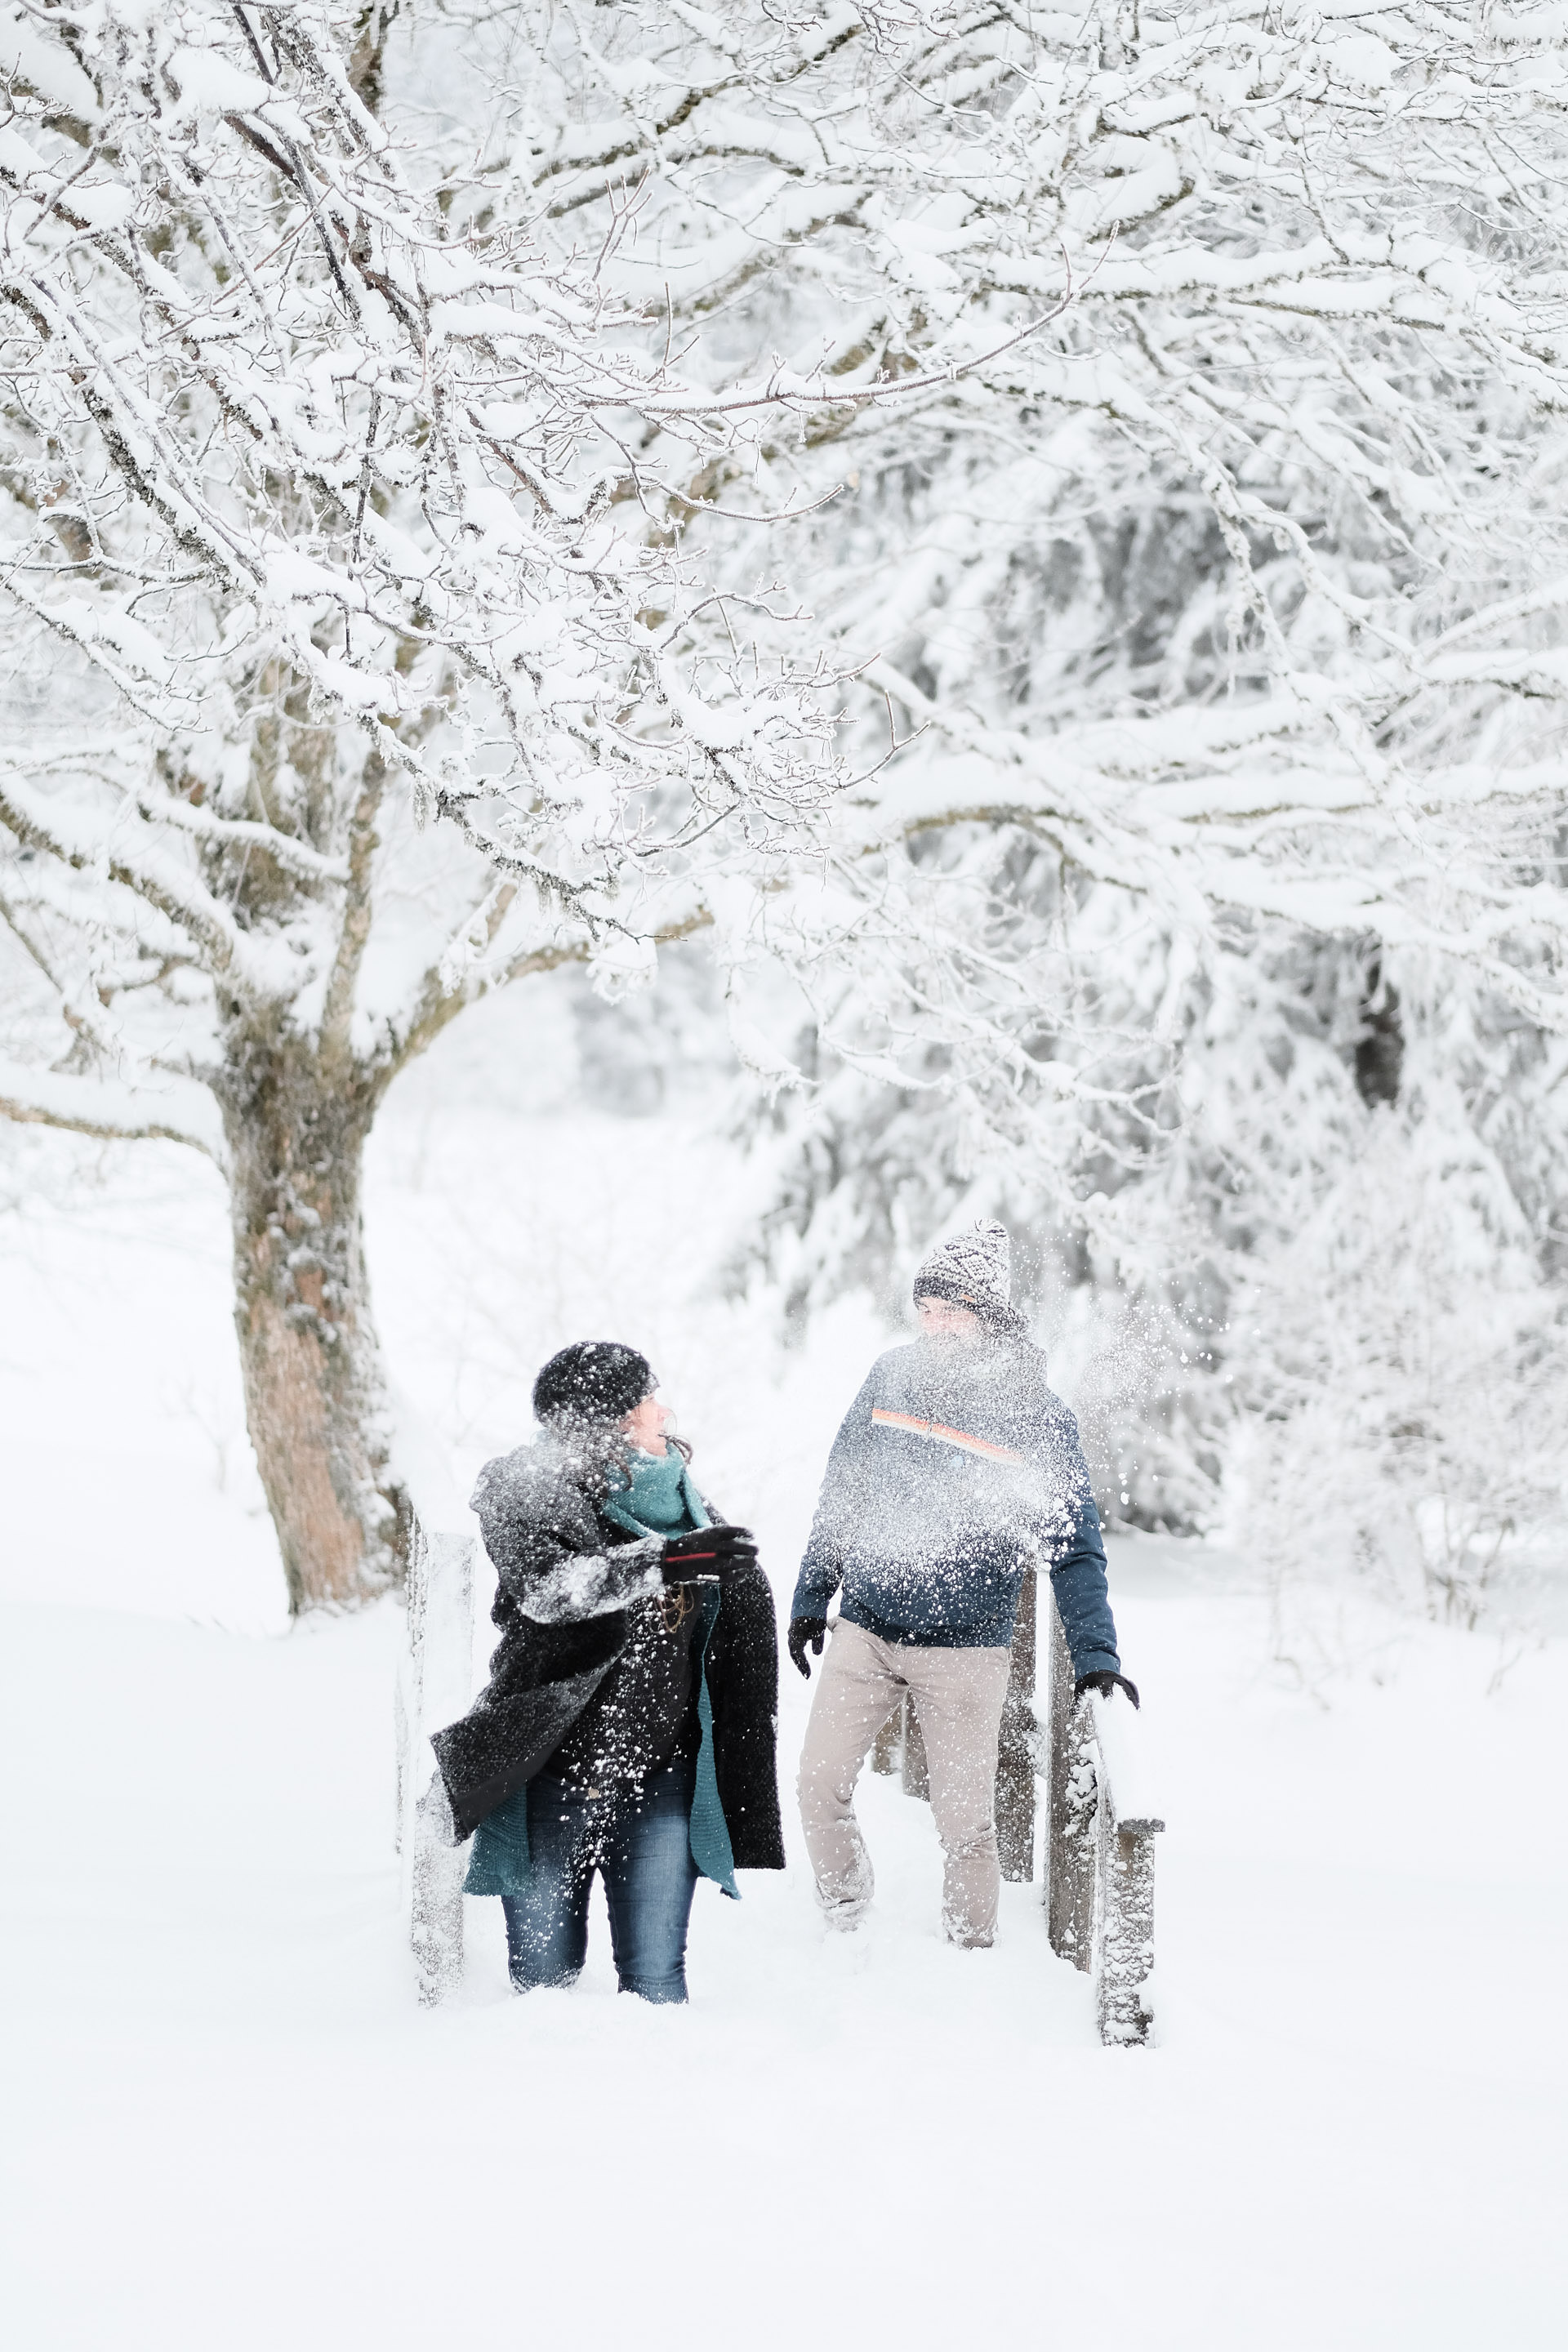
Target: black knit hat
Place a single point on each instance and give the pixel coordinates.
(594, 1380)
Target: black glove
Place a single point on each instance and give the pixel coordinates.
(806, 1633)
(1103, 1681)
(705, 1552)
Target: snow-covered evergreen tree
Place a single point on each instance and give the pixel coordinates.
(1224, 611)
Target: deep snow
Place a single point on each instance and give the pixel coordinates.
(228, 2125)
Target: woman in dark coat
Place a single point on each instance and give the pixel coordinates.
(628, 1723)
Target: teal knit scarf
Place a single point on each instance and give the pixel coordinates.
(658, 1496)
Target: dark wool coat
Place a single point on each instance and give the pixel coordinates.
(567, 1575)
(956, 1471)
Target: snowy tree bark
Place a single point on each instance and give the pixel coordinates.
(315, 1399)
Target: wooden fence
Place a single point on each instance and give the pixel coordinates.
(1099, 1823)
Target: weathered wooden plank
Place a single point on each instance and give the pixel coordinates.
(1015, 1754)
(434, 1687)
(1124, 1931)
(1073, 1794)
(436, 1919)
(1100, 1867)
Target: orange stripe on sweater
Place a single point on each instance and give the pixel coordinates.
(943, 1436)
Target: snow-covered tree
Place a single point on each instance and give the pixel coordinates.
(319, 521)
(1226, 610)
(1164, 409)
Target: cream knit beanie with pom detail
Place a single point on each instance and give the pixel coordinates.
(975, 1270)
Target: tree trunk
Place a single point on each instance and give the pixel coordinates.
(314, 1392)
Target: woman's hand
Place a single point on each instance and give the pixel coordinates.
(705, 1553)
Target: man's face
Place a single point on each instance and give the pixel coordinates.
(940, 1319)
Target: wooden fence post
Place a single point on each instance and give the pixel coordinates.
(1124, 1931)
(1126, 1825)
(1015, 1755)
(1073, 1794)
(435, 1685)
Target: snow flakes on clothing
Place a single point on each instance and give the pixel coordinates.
(955, 1473)
(596, 1584)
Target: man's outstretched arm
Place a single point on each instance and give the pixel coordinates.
(1083, 1597)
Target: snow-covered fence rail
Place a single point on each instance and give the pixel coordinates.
(435, 1684)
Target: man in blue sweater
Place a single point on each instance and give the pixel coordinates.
(955, 1473)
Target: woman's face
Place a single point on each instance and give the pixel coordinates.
(647, 1424)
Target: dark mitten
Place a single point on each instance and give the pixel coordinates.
(705, 1552)
(806, 1633)
(1103, 1681)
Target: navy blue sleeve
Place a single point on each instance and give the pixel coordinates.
(822, 1569)
(1082, 1597)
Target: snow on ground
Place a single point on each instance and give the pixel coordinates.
(228, 2125)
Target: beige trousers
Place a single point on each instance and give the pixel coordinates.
(958, 1696)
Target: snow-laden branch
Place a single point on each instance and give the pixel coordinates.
(296, 857)
(1207, 593)
(169, 1110)
(478, 958)
(1211, 589)
(274, 412)
(44, 822)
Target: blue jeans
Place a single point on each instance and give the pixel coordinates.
(640, 1843)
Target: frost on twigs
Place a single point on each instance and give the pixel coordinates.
(269, 405)
(621, 965)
